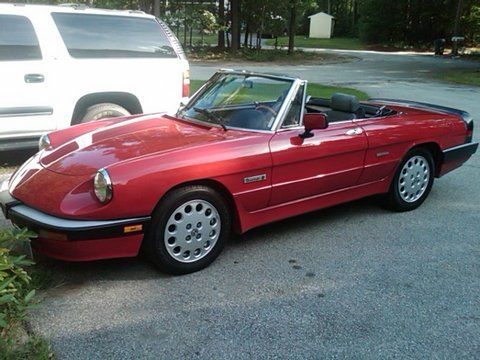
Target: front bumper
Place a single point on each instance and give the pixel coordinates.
(76, 240)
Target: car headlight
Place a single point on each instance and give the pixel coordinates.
(44, 142)
(102, 185)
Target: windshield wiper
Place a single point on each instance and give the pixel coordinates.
(211, 116)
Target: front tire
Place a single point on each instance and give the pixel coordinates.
(413, 181)
(188, 231)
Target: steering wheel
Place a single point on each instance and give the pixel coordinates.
(268, 108)
(380, 111)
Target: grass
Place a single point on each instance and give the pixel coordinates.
(208, 39)
(35, 348)
(314, 90)
(326, 91)
(466, 77)
(333, 43)
(211, 39)
(253, 55)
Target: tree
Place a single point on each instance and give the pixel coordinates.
(275, 25)
(235, 25)
(221, 21)
(292, 26)
(207, 22)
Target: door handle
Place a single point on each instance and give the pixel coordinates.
(34, 78)
(356, 131)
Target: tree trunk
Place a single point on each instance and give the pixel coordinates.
(354, 15)
(457, 18)
(156, 8)
(185, 23)
(455, 27)
(247, 32)
(221, 21)
(235, 25)
(291, 28)
(259, 40)
(191, 35)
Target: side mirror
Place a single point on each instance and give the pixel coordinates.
(313, 122)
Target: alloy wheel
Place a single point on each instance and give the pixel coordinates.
(414, 178)
(192, 230)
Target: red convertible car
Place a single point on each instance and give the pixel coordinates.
(248, 149)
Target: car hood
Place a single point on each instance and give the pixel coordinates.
(124, 141)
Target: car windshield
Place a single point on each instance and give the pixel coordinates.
(243, 101)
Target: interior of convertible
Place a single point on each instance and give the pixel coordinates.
(253, 102)
(341, 107)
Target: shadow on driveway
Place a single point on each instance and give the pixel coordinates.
(70, 275)
(9, 160)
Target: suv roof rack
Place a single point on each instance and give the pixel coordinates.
(74, 5)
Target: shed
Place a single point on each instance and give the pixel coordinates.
(321, 25)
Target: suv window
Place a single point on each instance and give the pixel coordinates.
(17, 39)
(106, 36)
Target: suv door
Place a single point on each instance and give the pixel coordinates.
(25, 108)
(332, 159)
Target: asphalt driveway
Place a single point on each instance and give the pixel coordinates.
(353, 281)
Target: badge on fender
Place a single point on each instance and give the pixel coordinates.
(251, 179)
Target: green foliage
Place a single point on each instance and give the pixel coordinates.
(16, 293)
(12, 237)
(207, 21)
(406, 22)
(472, 24)
(35, 348)
(399, 22)
(275, 26)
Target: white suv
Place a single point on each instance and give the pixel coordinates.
(63, 65)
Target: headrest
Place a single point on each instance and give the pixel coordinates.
(345, 103)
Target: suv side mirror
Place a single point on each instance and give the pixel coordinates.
(313, 122)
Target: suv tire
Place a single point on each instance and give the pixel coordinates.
(102, 111)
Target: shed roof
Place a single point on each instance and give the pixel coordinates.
(322, 14)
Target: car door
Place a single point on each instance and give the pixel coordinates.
(332, 159)
(24, 103)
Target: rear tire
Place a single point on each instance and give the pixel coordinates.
(188, 230)
(413, 181)
(102, 111)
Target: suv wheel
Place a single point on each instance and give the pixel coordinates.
(102, 111)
